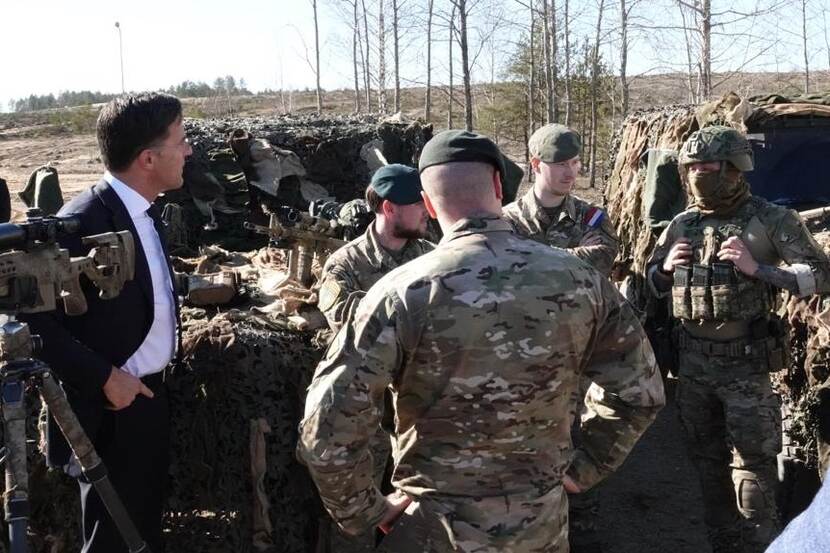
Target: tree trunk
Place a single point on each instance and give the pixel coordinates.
(382, 104)
(367, 78)
(465, 66)
(706, 54)
(546, 54)
(428, 94)
(355, 39)
(595, 98)
(531, 90)
(826, 38)
(317, 58)
(554, 49)
(397, 57)
(449, 42)
(804, 37)
(690, 65)
(624, 57)
(567, 65)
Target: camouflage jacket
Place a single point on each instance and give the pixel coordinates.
(773, 234)
(481, 342)
(578, 220)
(353, 269)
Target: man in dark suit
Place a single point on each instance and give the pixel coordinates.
(112, 361)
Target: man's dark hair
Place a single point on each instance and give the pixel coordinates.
(373, 200)
(129, 124)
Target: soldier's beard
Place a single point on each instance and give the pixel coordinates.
(407, 233)
(718, 191)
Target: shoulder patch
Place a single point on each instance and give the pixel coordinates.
(329, 293)
(593, 217)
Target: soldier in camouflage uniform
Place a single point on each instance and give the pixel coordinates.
(392, 239)
(395, 237)
(482, 343)
(720, 261)
(550, 214)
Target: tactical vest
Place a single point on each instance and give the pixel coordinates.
(716, 291)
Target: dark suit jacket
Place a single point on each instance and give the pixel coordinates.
(82, 350)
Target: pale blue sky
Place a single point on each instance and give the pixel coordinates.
(53, 45)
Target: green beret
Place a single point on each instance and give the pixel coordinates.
(397, 183)
(512, 180)
(554, 143)
(456, 145)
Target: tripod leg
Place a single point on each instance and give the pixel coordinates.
(91, 464)
(16, 500)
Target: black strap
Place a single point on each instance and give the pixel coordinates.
(96, 473)
(155, 214)
(17, 508)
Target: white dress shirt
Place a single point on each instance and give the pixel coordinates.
(159, 345)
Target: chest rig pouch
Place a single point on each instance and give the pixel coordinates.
(711, 290)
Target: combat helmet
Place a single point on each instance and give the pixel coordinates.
(717, 143)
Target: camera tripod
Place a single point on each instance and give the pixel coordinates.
(17, 368)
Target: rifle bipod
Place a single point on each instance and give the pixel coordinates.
(17, 368)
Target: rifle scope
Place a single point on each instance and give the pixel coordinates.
(37, 229)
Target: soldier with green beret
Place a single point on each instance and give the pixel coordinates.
(550, 213)
(395, 237)
(721, 262)
(482, 343)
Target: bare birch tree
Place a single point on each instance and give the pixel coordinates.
(547, 62)
(382, 100)
(451, 39)
(465, 63)
(531, 91)
(595, 96)
(567, 34)
(721, 40)
(804, 42)
(624, 86)
(367, 73)
(428, 93)
(554, 53)
(317, 58)
(396, 54)
(355, 42)
(826, 37)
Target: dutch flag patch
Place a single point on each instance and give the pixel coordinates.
(594, 217)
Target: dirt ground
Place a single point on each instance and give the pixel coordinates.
(75, 157)
(652, 504)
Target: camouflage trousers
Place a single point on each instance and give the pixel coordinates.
(732, 421)
(381, 448)
(583, 508)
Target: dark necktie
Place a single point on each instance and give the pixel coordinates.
(155, 214)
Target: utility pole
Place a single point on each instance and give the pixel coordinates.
(121, 55)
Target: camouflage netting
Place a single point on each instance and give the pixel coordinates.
(332, 151)
(329, 147)
(236, 485)
(810, 320)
